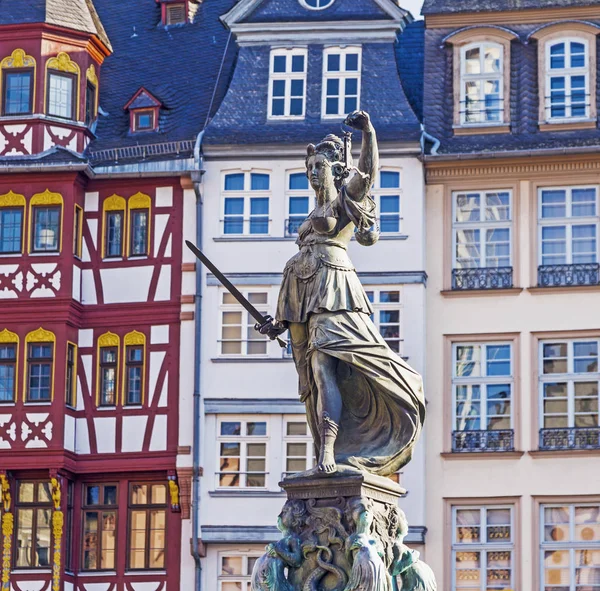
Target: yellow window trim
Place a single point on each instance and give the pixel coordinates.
(10, 338)
(11, 199)
(108, 339)
(134, 338)
(63, 63)
(80, 231)
(138, 201)
(113, 203)
(40, 335)
(74, 384)
(19, 59)
(45, 198)
(92, 77)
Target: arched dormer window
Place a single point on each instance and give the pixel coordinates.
(481, 83)
(18, 83)
(567, 75)
(62, 87)
(481, 58)
(567, 79)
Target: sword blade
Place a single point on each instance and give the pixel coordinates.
(232, 289)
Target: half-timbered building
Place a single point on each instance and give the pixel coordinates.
(101, 104)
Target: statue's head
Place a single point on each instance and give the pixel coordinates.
(325, 162)
(398, 524)
(292, 516)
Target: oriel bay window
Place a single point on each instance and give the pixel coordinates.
(238, 336)
(61, 94)
(17, 97)
(341, 81)
(134, 368)
(287, 84)
(569, 390)
(108, 375)
(46, 228)
(482, 385)
(246, 203)
(11, 230)
(99, 527)
(8, 371)
(483, 548)
(568, 236)
(33, 525)
(40, 359)
(147, 526)
(570, 546)
(482, 84)
(242, 454)
(386, 304)
(482, 240)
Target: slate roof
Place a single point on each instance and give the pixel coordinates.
(179, 65)
(79, 15)
(410, 56)
(524, 116)
(454, 6)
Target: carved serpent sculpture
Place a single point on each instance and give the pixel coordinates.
(324, 567)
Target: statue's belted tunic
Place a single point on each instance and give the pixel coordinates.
(383, 401)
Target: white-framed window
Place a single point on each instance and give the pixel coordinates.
(246, 198)
(482, 386)
(287, 83)
(387, 304)
(387, 193)
(482, 229)
(300, 201)
(568, 225)
(570, 547)
(238, 336)
(299, 446)
(569, 383)
(242, 453)
(567, 79)
(482, 83)
(341, 81)
(483, 548)
(235, 570)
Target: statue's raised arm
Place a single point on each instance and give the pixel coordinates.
(368, 164)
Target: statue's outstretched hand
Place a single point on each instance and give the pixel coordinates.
(358, 120)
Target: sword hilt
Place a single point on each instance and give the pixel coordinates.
(268, 320)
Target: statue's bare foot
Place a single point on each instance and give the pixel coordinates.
(327, 462)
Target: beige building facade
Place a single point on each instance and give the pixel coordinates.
(512, 379)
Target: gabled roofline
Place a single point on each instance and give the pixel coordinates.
(245, 7)
(142, 89)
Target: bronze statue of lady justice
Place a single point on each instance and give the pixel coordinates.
(365, 405)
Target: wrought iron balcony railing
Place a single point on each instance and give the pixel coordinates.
(483, 441)
(482, 278)
(568, 275)
(573, 438)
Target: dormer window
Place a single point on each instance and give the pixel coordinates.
(567, 84)
(567, 75)
(144, 121)
(143, 110)
(174, 12)
(481, 88)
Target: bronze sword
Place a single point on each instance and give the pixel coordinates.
(233, 290)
